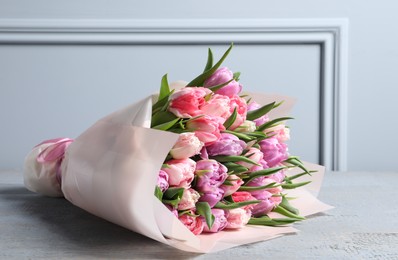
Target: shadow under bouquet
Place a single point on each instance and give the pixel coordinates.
(201, 166)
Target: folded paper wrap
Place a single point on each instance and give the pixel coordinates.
(111, 171)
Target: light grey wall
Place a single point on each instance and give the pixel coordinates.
(372, 66)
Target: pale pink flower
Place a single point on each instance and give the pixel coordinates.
(280, 132)
(246, 127)
(181, 172)
(253, 154)
(187, 102)
(187, 146)
(237, 218)
(220, 76)
(241, 109)
(218, 106)
(189, 199)
(206, 128)
(234, 183)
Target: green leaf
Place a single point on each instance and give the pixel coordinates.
(294, 185)
(286, 205)
(159, 105)
(164, 88)
(230, 121)
(198, 81)
(166, 125)
(241, 136)
(272, 123)
(253, 188)
(296, 162)
(236, 76)
(264, 172)
(235, 168)
(233, 158)
(293, 177)
(287, 213)
(217, 87)
(203, 209)
(267, 221)
(254, 114)
(209, 63)
(162, 117)
(173, 196)
(158, 193)
(257, 134)
(235, 205)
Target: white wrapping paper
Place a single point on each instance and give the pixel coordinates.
(111, 171)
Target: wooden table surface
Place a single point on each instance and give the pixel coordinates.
(364, 225)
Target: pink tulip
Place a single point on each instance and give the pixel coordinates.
(241, 109)
(246, 127)
(194, 224)
(238, 218)
(187, 146)
(241, 196)
(223, 75)
(234, 183)
(187, 102)
(218, 106)
(189, 199)
(255, 155)
(181, 172)
(280, 132)
(220, 221)
(206, 128)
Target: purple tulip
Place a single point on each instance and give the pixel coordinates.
(261, 120)
(262, 208)
(163, 180)
(221, 76)
(274, 151)
(220, 221)
(228, 144)
(210, 175)
(212, 197)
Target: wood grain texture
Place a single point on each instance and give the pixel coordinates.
(364, 225)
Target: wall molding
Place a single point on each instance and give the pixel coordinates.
(330, 34)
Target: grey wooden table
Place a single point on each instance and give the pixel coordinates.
(364, 225)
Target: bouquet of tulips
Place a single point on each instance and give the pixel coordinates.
(214, 157)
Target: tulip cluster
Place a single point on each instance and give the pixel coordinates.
(227, 168)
